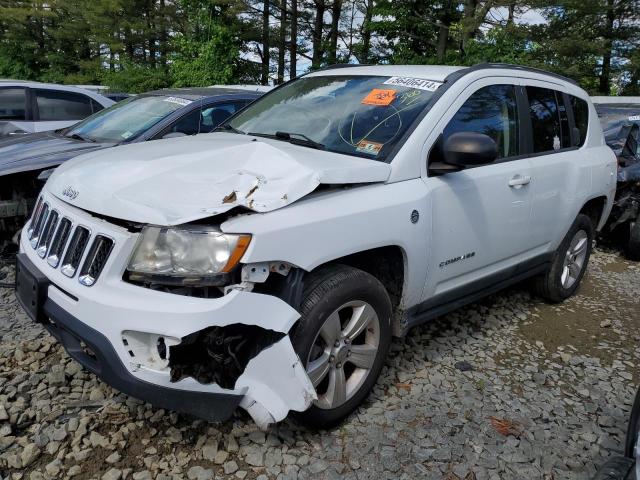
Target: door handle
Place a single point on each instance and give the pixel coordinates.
(519, 180)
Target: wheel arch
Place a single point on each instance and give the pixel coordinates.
(595, 209)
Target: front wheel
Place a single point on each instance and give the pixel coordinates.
(569, 263)
(342, 337)
(633, 246)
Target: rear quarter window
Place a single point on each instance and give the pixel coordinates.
(13, 104)
(581, 117)
(58, 105)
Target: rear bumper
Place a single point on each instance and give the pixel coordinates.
(103, 361)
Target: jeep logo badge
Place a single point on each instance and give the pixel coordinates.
(70, 193)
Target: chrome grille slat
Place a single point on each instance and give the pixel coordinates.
(75, 250)
(42, 218)
(47, 233)
(34, 216)
(59, 241)
(95, 260)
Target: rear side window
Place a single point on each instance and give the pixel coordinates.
(13, 104)
(492, 111)
(581, 117)
(545, 119)
(95, 106)
(58, 105)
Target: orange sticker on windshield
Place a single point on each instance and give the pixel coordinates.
(379, 96)
(371, 148)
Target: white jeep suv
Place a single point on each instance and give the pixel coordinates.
(268, 265)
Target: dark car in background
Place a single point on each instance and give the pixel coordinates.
(25, 160)
(620, 120)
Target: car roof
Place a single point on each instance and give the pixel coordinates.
(438, 73)
(616, 101)
(201, 92)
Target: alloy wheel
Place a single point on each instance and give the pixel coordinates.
(343, 353)
(574, 260)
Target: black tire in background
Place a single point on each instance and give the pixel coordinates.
(633, 245)
(550, 284)
(327, 291)
(633, 427)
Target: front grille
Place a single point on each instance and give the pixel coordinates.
(66, 245)
(96, 258)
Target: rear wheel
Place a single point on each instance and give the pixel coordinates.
(569, 263)
(342, 337)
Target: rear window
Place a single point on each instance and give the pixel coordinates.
(581, 117)
(57, 105)
(13, 103)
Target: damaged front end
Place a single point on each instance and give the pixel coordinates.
(252, 357)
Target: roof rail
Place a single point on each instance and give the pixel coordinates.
(343, 65)
(484, 66)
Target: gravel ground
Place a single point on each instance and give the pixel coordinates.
(506, 388)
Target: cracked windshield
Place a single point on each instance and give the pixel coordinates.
(357, 115)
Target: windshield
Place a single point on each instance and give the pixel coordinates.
(127, 119)
(357, 115)
(616, 121)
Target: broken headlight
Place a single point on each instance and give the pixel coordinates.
(187, 254)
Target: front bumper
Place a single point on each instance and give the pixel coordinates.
(104, 316)
(98, 356)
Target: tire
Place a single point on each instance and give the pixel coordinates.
(633, 429)
(341, 297)
(633, 246)
(616, 468)
(566, 271)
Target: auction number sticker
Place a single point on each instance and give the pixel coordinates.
(178, 100)
(409, 82)
(634, 118)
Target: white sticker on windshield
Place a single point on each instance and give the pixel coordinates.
(634, 118)
(179, 101)
(126, 134)
(409, 82)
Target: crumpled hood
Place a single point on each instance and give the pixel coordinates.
(40, 150)
(174, 181)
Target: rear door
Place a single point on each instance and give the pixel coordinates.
(553, 159)
(15, 115)
(480, 215)
(56, 109)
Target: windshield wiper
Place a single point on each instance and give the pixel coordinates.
(76, 136)
(294, 138)
(228, 128)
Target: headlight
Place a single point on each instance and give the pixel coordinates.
(188, 252)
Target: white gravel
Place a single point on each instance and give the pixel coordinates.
(506, 388)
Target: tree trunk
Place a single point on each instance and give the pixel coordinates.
(335, 25)
(264, 78)
(468, 22)
(283, 40)
(162, 34)
(443, 31)
(318, 24)
(605, 76)
(366, 33)
(293, 53)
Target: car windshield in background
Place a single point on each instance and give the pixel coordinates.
(357, 115)
(616, 121)
(127, 119)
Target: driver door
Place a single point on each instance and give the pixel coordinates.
(480, 215)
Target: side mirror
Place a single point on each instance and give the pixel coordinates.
(174, 135)
(466, 149)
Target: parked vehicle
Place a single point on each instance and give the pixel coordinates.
(268, 265)
(620, 119)
(150, 116)
(28, 107)
(626, 467)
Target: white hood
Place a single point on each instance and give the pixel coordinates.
(169, 182)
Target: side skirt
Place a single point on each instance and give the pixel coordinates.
(446, 302)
